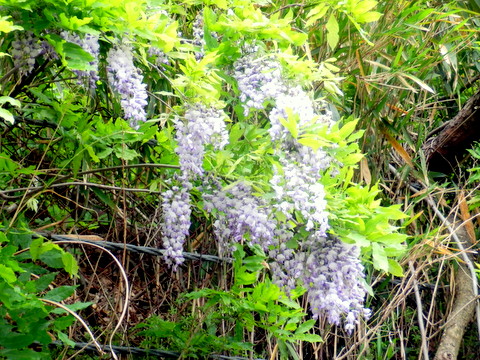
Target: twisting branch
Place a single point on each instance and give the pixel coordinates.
(76, 316)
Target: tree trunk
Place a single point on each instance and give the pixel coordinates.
(463, 308)
(447, 149)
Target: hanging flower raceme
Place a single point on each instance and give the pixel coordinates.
(259, 80)
(90, 44)
(25, 49)
(240, 216)
(175, 224)
(296, 103)
(297, 189)
(334, 278)
(199, 127)
(286, 265)
(127, 81)
(198, 34)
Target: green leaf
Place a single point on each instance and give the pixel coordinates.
(7, 274)
(36, 248)
(92, 153)
(313, 141)
(370, 16)
(69, 263)
(60, 293)
(104, 153)
(380, 259)
(316, 13)
(74, 307)
(290, 303)
(363, 6)
(291, 122)
(7, 26)
(76, 57)
(419, 82)
(308, 337)
(73, 22)
(244, 278)
(7, 116)
(42, 282)
(305, 326)
(3, 237)
(23, 354)
(16, 340)
(332, 31)
(358, 239)
(65, 339)
(63, 322)
(10, 100)
(253, 263)
(236, 132)
(122, 152)
(394, 268)
(347, 129)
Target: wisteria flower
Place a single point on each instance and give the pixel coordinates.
(175, 224)
(25, 49)
(89, 43)
(259, 79)
(160, 57)
(127, 81)
(240, 216)
(199, 127)
(333, 276)
(297, 189)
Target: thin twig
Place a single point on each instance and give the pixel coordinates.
(76, 316)
(421, 324)
(77, 183)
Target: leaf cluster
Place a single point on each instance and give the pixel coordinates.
(28, 324)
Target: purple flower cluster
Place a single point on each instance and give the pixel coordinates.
(329, 269)
(299, 104)
(259, 80)
(297, 190)
(334, 277)
(240, 216)
(198, 34)
(90, 44)
(160, 57)
(127, 81)
(201, 126)
(25, 49)
(175, 223)
(286, 266)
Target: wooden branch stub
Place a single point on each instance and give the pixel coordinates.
(462, 311)
(446, 150)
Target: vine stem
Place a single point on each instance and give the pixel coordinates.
(76, 316)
